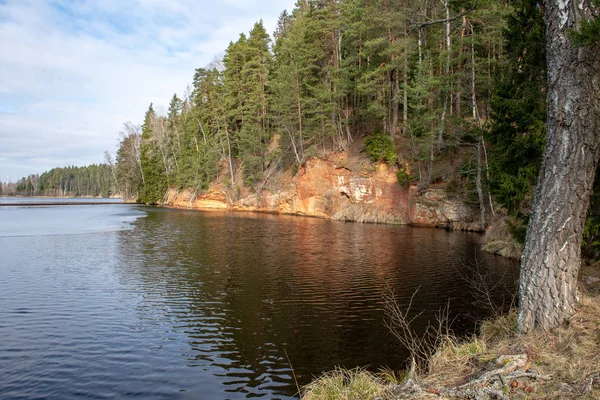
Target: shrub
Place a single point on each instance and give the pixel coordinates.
(379, 147)
(404, 178)
(591, 236)
(252, 166)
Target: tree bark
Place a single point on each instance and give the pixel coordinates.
(229, 156)
(479, 185)
(552, 254)
(395, 104)
(405, 72)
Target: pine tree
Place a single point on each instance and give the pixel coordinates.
(254, 134)
(519, 111)
(153, 163)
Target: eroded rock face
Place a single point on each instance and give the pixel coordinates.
(434, 208)
(339, 193)
(322, 189)
(215, 198)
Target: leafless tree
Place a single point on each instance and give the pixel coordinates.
(401, 324)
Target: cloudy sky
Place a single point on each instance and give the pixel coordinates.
(72, 72)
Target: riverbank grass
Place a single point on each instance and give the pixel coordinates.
(496, 364)
(343, 384)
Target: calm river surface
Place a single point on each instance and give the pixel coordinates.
(119, 301)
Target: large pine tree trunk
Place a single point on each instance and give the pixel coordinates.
(552, 255)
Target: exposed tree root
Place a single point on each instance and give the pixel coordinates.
(493, 384)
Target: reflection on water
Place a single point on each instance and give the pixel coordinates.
(205, 305)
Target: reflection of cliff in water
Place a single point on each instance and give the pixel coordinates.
(242, 288)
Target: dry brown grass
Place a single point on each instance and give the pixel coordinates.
(342, 384)
(455, 361)
(366, 214)
(500, 328)
(498, 240)
(570, 355)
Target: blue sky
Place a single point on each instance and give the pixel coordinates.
(72, 72)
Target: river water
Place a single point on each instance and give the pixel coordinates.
(119, 301)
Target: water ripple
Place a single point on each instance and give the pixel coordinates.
(206, 305)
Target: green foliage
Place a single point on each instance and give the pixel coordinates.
(589, 31)
(517, 227)
(404, 178)
(95, 180)
(519, 111)
(251, 165)
(467, 173)
(153, 161)
(591, 233)
(591, 237)
(379, 147)
(589, 34)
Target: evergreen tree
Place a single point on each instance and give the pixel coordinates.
(153, 161)
(519, 111)
(254, 134)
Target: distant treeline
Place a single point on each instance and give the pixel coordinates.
(93, 180)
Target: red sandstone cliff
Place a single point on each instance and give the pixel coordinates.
(321, 188)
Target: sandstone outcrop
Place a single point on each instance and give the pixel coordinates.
(322, 188)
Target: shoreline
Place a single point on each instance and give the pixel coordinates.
(58, 203)
(307, 215)
(60, 197)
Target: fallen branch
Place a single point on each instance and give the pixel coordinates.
(488, 385)
(520, 374)
(515, 362)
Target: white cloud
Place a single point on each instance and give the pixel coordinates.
(71, 73)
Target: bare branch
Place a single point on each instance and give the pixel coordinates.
(420, 25)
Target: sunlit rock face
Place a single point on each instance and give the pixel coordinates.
(339, 193)
(323, 188)
(433, 207)
(187, 198)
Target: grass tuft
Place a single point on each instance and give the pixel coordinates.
(366, 214)
(393, 377)
(341, 384)
(453, 361)
(501, 328)
(498, 240)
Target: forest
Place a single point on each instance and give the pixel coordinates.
(95, 180)
(418, 79)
